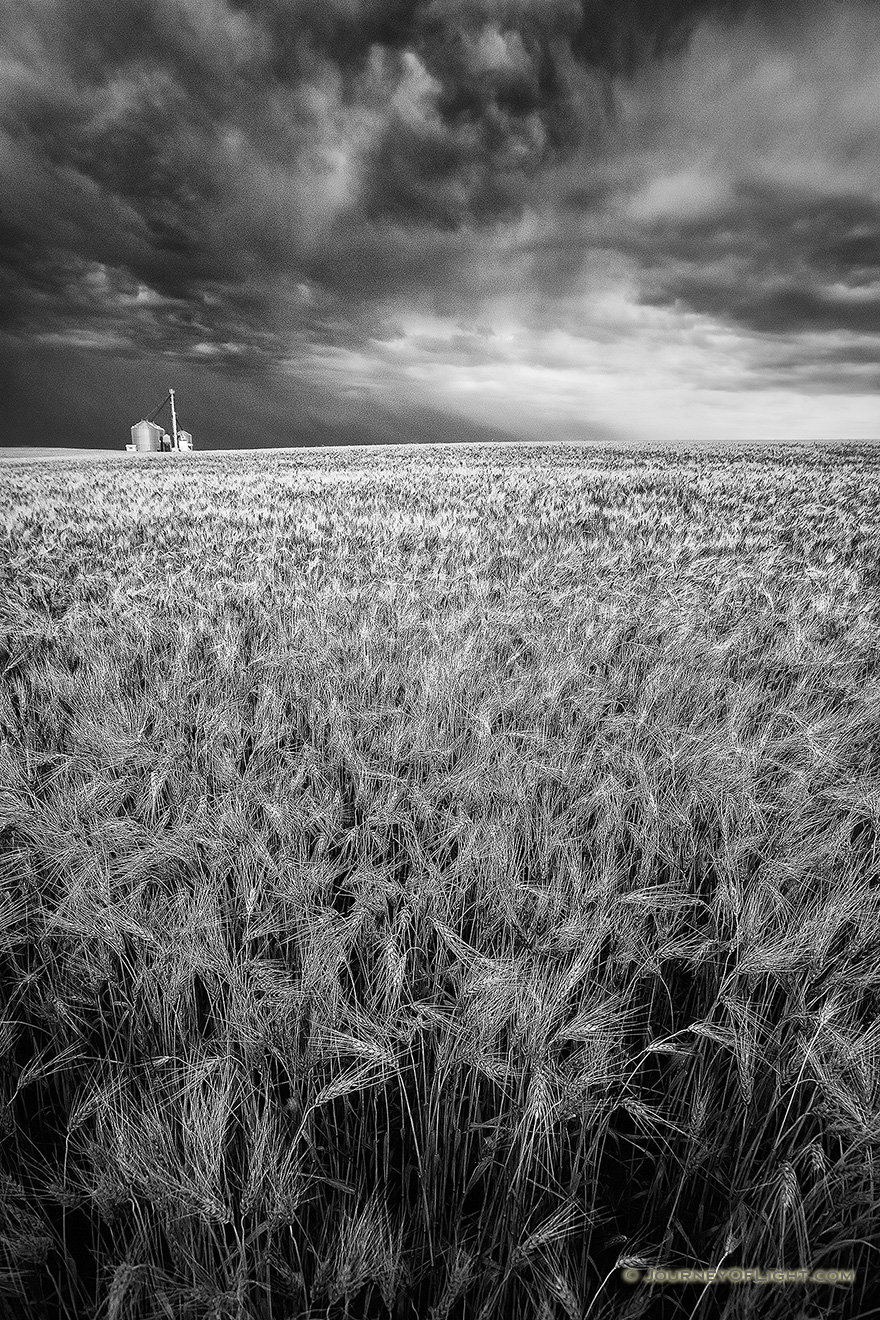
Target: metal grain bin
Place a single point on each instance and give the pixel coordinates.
(184, 440)
(146, 437)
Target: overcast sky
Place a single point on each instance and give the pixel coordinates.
(325, 219)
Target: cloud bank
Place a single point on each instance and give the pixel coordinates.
(591, 216)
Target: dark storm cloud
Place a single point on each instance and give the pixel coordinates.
(737, 218)
(169, 169)
(782, 306)
(334, 195)
(771, 260)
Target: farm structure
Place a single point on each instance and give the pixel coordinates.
(147, 437)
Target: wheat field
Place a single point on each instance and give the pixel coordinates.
(438, 880)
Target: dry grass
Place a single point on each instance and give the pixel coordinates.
(433, 880)
(38, 453)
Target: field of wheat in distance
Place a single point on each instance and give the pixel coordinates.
(435, 880)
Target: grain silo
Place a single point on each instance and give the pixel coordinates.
(146, 437)
(149, 438)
